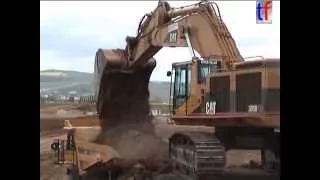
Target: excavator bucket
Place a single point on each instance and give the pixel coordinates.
(123, 106)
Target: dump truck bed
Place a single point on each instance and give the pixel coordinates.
(89, 156)
(87, 152)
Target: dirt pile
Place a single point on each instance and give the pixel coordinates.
(125, 118)
(133, 142)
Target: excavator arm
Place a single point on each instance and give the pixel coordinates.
(122, 75)
(198, 26)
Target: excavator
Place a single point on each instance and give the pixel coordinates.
(218, 87)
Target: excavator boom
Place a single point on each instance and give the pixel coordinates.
(198, 26)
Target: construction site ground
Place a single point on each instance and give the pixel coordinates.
(52, 122)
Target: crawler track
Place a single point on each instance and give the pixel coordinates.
(195, 155)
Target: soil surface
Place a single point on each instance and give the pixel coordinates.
(51, 128)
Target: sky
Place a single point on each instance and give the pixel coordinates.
(71, 32)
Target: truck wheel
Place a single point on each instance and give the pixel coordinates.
(55, 146)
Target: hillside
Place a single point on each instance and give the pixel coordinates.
(64, 81)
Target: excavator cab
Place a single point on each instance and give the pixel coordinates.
(182, 76)
(180, 86)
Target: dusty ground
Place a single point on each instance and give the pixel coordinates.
(52, 120)
(52, 117)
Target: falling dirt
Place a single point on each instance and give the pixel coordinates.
(125, 117)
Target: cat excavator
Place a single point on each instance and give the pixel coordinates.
(218, 87)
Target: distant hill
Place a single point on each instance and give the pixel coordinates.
(64, 81)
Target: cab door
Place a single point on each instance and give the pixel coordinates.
(182, 86)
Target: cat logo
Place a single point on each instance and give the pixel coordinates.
(211, 107)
